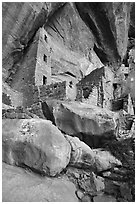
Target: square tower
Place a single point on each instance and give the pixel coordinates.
(43, 62)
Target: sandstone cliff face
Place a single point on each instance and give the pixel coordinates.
(67, 27)
(109, 22)
(20, 22)
(80, 38)
(71, 41)
(105, 29)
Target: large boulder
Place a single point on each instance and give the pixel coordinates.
(23, 186)
(35, 143)
(90, 123)
(82, 156)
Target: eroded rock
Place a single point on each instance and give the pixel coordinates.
(105, 160)
(22, 186)
(119, 189)
(113, 17)
(84, 157)
(86, 198)
(35, 143)
(98, 181)
(104, 198)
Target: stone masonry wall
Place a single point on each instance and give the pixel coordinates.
(108, 88)
(44, 93)
(97, 88)
(43, 64)
(91, 82)
(6, 99)
(79, 92)
(37, 110)
(18, 113)
(10, 96)
(36, 94)
(53, 91)
(93, 97)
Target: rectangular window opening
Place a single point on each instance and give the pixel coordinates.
(44, 80)
(126, 76)
(45, 58)
(45, 38)
(114, 86)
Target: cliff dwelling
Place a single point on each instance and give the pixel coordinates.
(97, 88)
(68, 102)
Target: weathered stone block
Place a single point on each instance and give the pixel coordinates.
(20, 185)
(91, 123)
(83, 156)
(35, 143)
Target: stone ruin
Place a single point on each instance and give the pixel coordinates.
(97, 88)
(68, 104)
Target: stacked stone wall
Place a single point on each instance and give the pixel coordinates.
(79, 92)
(87, 85)
(17, 113)
(53, 91)
(6, 99)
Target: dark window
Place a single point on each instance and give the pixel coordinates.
(126, 75)
(45, 38)
(117, 104)
(55, 86)
(44, 80)
(51, 50)
(70, 84)
(115, 86)
(86, 92)
(45, 58)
